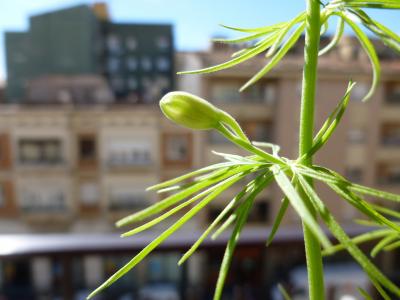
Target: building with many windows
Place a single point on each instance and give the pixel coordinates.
(69, 168)
(135, 59)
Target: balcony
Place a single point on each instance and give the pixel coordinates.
(40, 152)
(127, 202)
(45, 210)
(388, 174)
(390, 135)
(128, 160)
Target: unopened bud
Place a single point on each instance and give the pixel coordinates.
(190, 111)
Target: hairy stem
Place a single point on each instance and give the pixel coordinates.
(312, 37)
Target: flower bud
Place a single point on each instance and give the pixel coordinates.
(190, 111)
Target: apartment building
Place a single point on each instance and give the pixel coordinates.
(67, 168)
(135, 59)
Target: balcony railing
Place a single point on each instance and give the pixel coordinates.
(391, 140)
(122, 203)
(135, 159)
(393, 98)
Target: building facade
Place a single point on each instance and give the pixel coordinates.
(136, 59)
(66, 168)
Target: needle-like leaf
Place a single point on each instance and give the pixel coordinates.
(242, 217)
(383, 243)
(370, 50)
(336, 38)
(342, 237)
(162, 237)
(267, 42)
(298, 204)
(276, 58)
(173, 199)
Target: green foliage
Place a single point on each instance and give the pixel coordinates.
(195, 190)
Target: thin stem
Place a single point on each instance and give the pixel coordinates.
(312, 37)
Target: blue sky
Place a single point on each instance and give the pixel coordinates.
(194, 21)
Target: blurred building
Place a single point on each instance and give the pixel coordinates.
(74, 168)
(135, 59)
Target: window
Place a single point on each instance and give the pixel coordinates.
(163, 63)
(258, 131)
(87, 150)
(225, 92)
(229, 92)
(132, 83)
(89, 193)
(162, 42)
(393, 92)
(390, 135)
(127, 197)
(356, 136)
(117, 83)
(113, 43)
(131, 43)
(354, 174)
(113, 65)
(132, 63)
(389, 173)
(214, 137)
(146, 63)
(42, 198)
(359, 91)
(40, 151)
(260, 212)
(270, 92)
(177, 148)
(128, 153)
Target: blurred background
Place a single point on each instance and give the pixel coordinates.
(82, 136)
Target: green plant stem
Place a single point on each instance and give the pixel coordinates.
(312, 37)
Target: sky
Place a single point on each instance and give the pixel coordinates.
(194, 21)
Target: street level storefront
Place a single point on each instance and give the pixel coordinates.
(69, 266)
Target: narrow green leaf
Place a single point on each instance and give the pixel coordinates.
(275, 148)
(393, 246)
(330, 124)
(370, 50)
(386, 211)
(162, 237)
(328, 176)
(276, 58)
(336, 38)
(231, 245)
(299, 205)
(237, 60)
(383, 243)
(382, 4)
(283, 32)
(363, 206)
(283, 291)
(190, 175)
(364, 294)
(362, 238)
(228, 222)
(268, 28)
(375, 26)
(375, 274)
(278, 220)
(236, 158)
(243, 39)
(173, 199)
(181, 206)
(215, 223)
